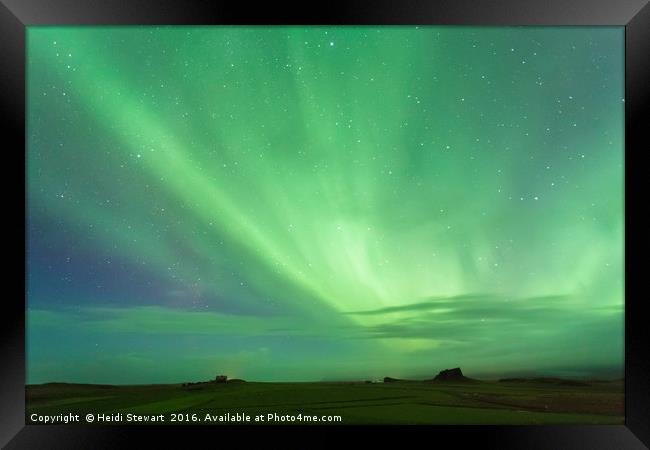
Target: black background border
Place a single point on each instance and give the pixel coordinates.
(15, 15)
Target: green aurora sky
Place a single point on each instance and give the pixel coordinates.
(322, 203)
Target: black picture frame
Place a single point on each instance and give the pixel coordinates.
(16, 15)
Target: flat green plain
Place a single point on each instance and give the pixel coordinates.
(401, 402)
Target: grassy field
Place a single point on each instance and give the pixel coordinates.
(402, 402)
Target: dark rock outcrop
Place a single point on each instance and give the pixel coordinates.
(454, 374)
(390, 380)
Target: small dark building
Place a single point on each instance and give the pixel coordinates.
(221, 379)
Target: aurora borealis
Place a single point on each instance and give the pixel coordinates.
(316, 203)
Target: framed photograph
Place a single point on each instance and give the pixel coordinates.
(364, 216)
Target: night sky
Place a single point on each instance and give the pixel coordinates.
(322, 203)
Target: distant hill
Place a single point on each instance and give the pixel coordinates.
(63, 384)
(444, 376)
(545, 380)
(391, 380)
